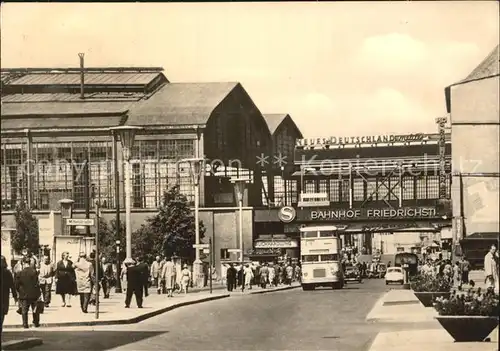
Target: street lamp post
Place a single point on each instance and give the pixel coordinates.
(239, 188)
(127, 136)
(196, 167)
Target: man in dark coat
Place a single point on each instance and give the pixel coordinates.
(7, 287)
(144, 269)
(135, 283)
(28, 288)
(95, 285)
(231, 277)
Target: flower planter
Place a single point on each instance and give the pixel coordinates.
(427, 298)
(468, 328)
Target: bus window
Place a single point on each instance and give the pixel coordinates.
(330, 257)
(309, 234)
(327, 234)
(310, 258)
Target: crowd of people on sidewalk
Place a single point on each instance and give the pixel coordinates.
(458, 272)
(260, 274)
(31, 282)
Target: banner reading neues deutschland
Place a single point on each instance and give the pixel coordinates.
(366, 213)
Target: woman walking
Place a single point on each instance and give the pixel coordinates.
(168, 276)
(84, 276)
(248, 272)
(65, 275)
(185, 278)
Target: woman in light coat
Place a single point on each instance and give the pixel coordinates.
(83, 273)
(168, 275)
(248, 272)
(185, 278)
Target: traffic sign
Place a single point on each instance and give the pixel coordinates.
(80, 221)
(233, 250)
(206, 251)
(201, 246)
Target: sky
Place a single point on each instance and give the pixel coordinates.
(339, 68)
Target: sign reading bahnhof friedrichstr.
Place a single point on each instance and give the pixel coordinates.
(366, 214)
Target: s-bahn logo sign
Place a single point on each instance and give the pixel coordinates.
(287, 214)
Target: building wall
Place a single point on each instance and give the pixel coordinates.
(475, 123)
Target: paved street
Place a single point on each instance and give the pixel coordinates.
(323, 319)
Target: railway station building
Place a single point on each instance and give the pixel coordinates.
(54, 119)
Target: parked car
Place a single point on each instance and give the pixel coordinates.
(352, 274)
(394, 275)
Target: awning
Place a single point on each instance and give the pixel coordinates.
(390, 227)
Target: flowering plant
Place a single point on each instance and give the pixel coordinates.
(470, 303)
(425, 282)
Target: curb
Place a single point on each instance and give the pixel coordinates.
(22, 344)
(275, 290)
(133, 320)
(398, 303)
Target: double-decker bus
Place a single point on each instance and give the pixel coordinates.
(320, 257)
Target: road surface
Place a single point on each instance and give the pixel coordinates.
(323, 319)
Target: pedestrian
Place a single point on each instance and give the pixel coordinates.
(231, 277)
(84, 272)
(427, 268)
(491, 268)
(457, 275)
(168, 276)
(107, 278)
(289, 274)
(95, 280)
(123, 276)
(66, 279)
(156, 272)
(144, 270)
(465, 266)
(272, 275)
(45, 277)
(135, 283)
(264, 276)
(185, 278)
(248, 277)
(7, 288)
(28, 288)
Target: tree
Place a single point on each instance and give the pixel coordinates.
(145, 243)
(173, 228)
(26, 235)
(107, 238)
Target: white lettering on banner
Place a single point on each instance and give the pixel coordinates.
(373, 213)
(282, 244)
(361, 139)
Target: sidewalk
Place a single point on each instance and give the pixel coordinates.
(258, 290)
(112, 310)
(429, 339)
(399, 306)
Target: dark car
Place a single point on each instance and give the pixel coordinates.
(352, 274)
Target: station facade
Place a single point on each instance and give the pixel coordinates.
(385, 193)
